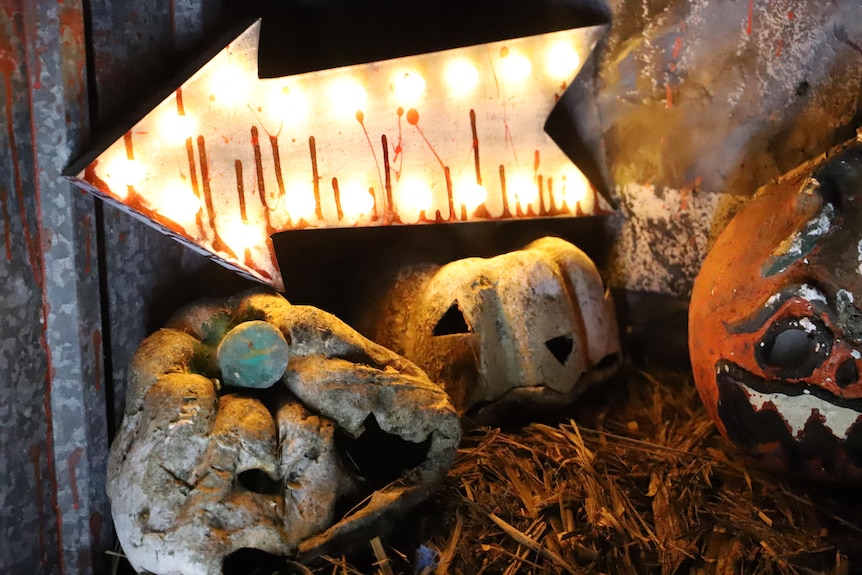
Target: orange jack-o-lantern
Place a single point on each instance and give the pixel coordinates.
(775, 330)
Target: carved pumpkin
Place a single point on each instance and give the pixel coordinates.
(527, 329)
(198, 474)
(774, 327)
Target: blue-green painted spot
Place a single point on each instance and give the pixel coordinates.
(253, 354)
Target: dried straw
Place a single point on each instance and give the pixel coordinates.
(637, 481)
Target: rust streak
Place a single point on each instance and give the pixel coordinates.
(72, 461)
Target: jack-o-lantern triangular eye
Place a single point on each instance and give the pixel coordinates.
(452, 322)
(561, 347)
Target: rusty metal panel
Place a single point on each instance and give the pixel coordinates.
(53, 435)
(135, 48)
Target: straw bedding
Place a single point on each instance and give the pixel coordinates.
(637, 480)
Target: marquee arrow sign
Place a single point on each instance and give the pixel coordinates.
(229, 158)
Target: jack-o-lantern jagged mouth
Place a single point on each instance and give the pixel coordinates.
(801, 424)
(518, 405)
(525, 403)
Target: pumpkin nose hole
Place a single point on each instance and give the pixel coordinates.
(846, 374)
(259, 481)
(561, 347)
(452, 322)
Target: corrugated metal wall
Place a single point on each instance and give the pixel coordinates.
(700, 101)
(58, 396)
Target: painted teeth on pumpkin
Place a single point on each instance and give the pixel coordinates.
(797, 411)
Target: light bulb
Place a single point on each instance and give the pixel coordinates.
(407, 87)
(525, 190)
(470, 194)
(230, 86)
(561, 60)
(347, 96)
(176, 129)
(413, 195)
(240, 235)
(177, 202)
(462, 77)
(299, 201)
(356, 200)
(514, 67)
(575, 187)
(122, 172)
(288, 104)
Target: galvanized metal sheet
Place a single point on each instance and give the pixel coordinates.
(54, 437)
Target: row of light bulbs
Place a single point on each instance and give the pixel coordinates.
(177, 202)
(229, 85)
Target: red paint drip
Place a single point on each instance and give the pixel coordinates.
(413, 118)
(336, 193)
(240, 192)
(475, 133)
(279, 177)
(7, 68)
(315, 177)
(181, 109)
(750, 17)
(668, 94)
(72, 462)
(677, 47)
(261, 186)
(35, 457)
(360, 117)
(398, 147)
(389, 214)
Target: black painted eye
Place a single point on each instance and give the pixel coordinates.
(452, 322)
(794, 348)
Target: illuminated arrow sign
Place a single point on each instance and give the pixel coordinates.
(228, 158)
